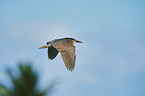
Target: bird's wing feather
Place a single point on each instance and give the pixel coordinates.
(69, 57)
(52, 52)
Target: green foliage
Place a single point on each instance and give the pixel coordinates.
(25, 84)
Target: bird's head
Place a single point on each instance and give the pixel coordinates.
(74, 40)
(77, 41)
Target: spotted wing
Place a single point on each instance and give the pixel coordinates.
(52, 52)
(69, 57)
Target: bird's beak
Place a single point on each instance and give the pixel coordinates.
(78, 41)
(42, 47)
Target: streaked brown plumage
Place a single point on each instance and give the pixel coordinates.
(66, 48)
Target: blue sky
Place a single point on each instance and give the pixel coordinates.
(111, 59)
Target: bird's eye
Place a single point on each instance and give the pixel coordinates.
(47, 43)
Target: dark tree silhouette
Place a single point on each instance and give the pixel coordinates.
(25, 84)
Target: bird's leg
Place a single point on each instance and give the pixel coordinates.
(46, 46)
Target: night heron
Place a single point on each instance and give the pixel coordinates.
(66, 48)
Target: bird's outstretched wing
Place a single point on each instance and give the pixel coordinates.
(69, 57)
(52, 52)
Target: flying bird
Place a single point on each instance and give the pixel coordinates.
(66, 48)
